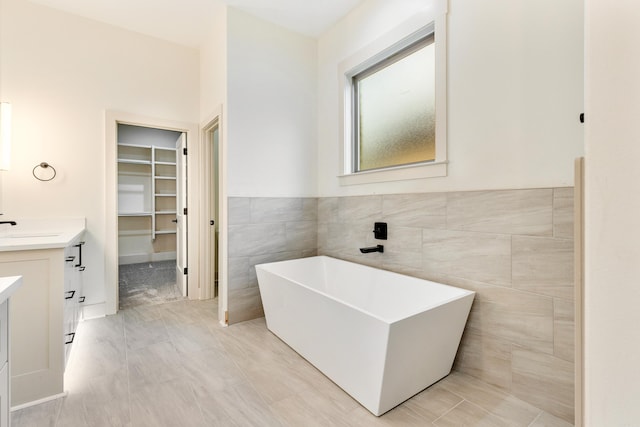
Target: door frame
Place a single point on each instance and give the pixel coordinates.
(112, 119)
(215, 119)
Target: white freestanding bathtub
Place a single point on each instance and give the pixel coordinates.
(381, 336)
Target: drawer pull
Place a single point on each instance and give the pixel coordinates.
(70, 258)
(73, 335)
(79, 244)
(70, 296)
(81, 268)
(81, 299)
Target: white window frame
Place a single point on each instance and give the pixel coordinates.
(430, 21)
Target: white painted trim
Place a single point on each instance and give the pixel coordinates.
(216, 118)
(93, 311)
(138, 258)
(112, 119)
(431, 19)
(397, 173)
(39, 401)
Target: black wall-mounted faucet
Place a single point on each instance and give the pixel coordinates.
(378, 248)
(380, 230)
(8, 222)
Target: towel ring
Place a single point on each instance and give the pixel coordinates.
(45, 166)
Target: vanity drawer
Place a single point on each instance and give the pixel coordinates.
(4, 332)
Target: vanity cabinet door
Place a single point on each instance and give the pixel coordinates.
(4, 364)
(4, 332)
(4, 396)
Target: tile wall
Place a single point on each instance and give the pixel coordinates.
(265, 230)
(513, 247)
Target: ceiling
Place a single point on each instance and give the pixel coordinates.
(185, 21)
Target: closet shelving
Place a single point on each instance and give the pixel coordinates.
(164, 190)
(148, 187)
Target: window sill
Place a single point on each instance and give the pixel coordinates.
(398, 173)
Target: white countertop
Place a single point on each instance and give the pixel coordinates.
(31, 234)
(8, 286)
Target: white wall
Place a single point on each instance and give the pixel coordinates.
(514, 92)
(612, 270)
(61, 72)
(213, 64)
(271, 122)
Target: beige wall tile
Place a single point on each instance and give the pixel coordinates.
(526, 212)
(239, 210)
(244, 304)
(564, 329)
(281, 209)
(239, 273)
(543, 266)
(425, 210)
(301, 235)
(519, 317)
(484, 357)
(403, 249)
(477, 256)
(360, 208)
(255, 239)
(327, 209)
(545, 381)
(563, 213)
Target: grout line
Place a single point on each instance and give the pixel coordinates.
(535, 419)
(452, 408)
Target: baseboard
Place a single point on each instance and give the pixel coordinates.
(38, 402)
(139, 258)
(94, 311)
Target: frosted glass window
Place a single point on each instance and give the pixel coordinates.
(394, 109)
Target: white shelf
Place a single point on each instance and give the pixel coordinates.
(124, 144)
(135, 213)
(123, 233)
(135, 162)
(161, 178)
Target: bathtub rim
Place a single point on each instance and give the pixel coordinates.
(389, 321)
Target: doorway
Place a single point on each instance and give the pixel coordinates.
(212, 252)
(152, 220)
(193, 231)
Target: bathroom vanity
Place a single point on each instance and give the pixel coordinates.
(45, 311)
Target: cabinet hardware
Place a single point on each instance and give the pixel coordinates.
(175, 220)
(70, 258)
(81, 268)
(70, 296)
(79, 246)
(81, 299)
(212, 222)
(73, 335)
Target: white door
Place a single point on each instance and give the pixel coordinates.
(213, 209)
(181, 213)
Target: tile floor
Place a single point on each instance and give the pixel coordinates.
(173, 365)
(147, 283)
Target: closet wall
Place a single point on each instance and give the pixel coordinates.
(146, 194)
